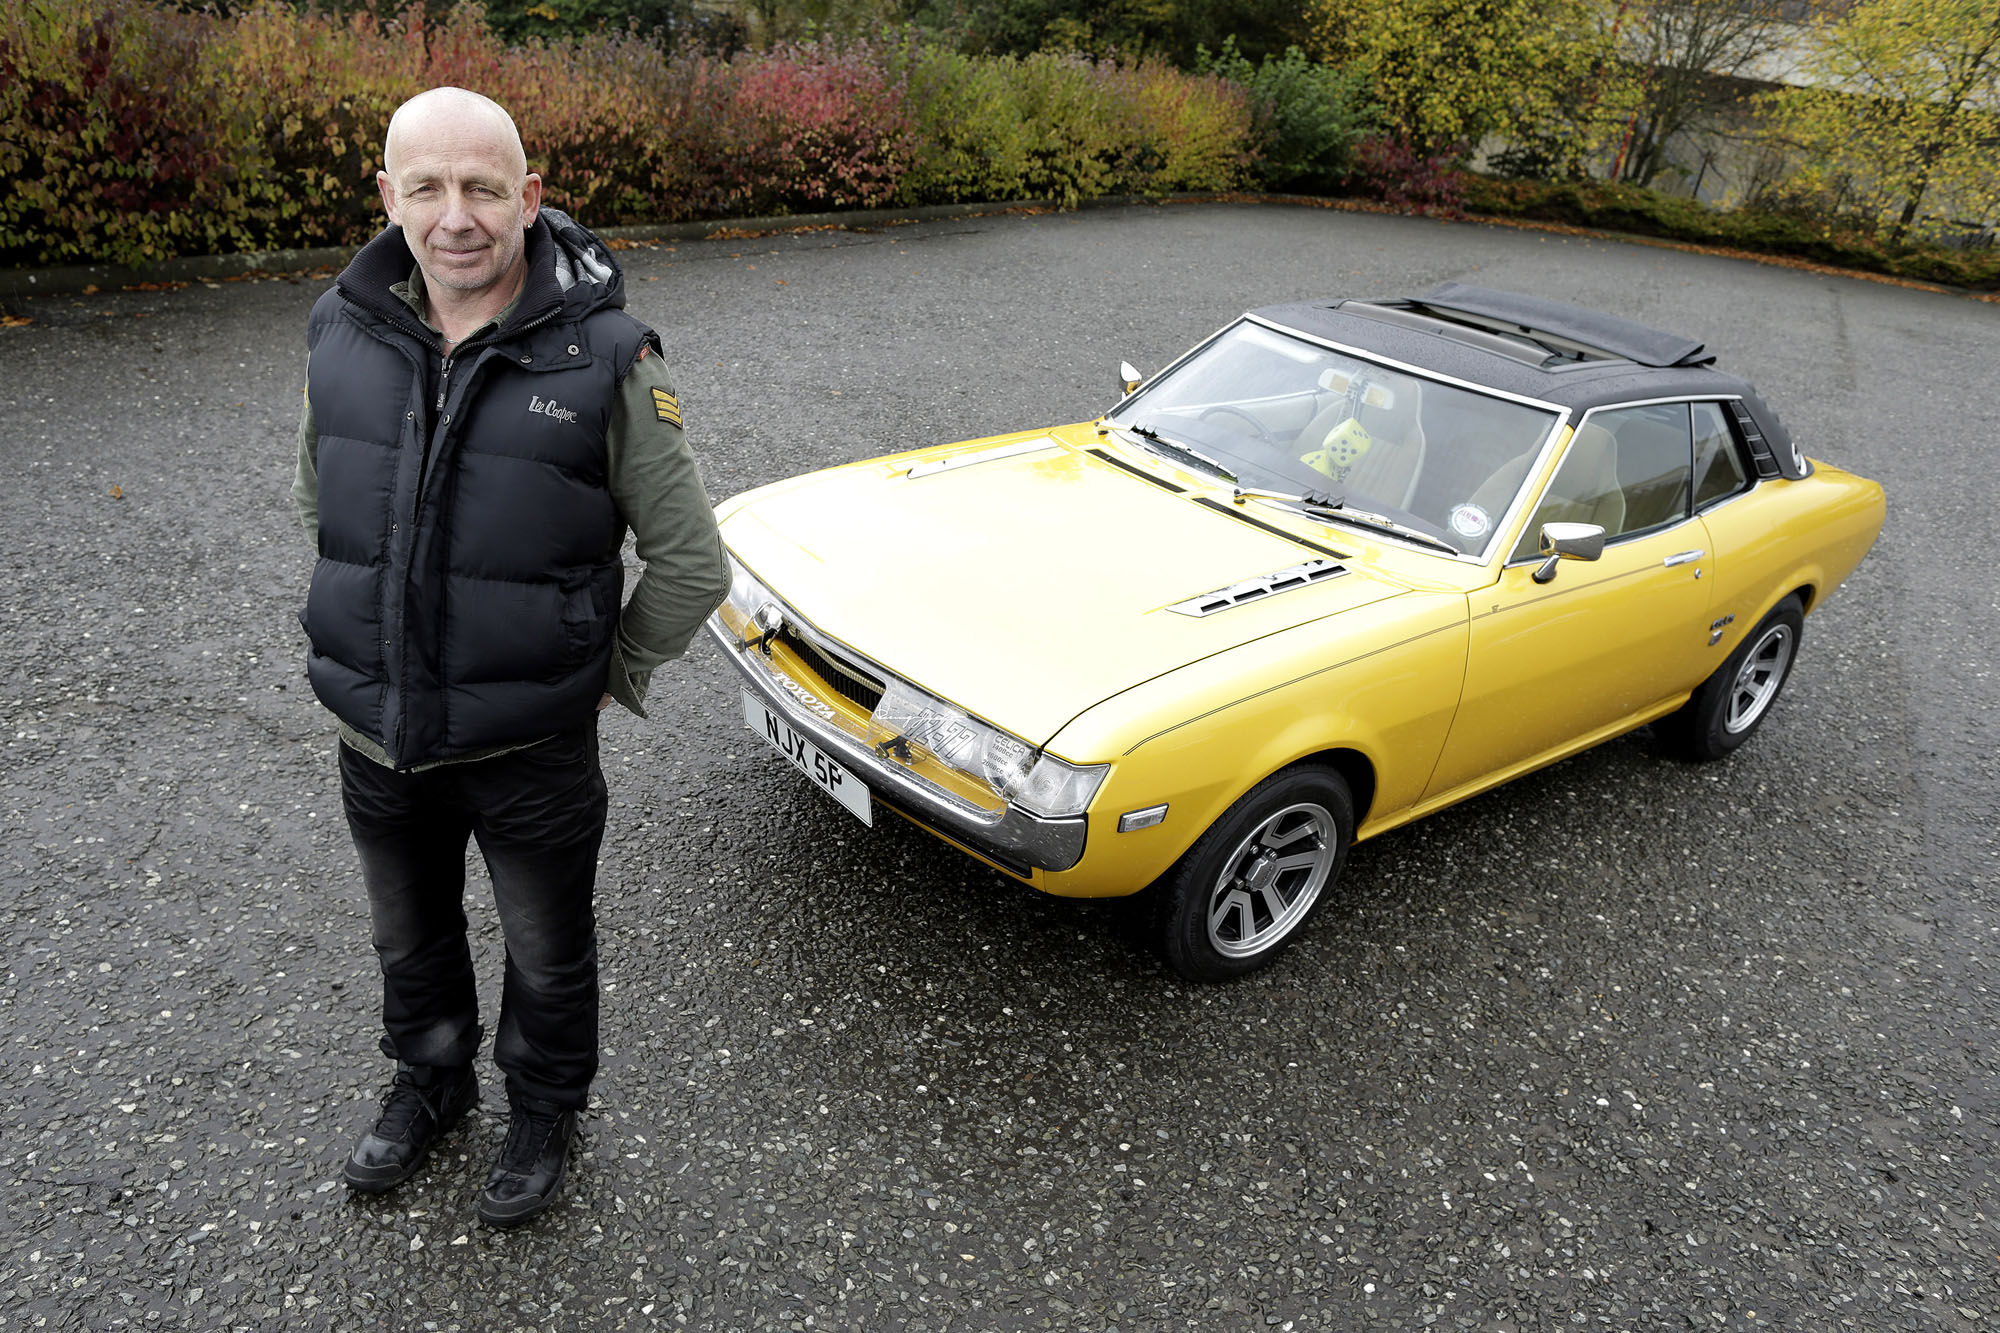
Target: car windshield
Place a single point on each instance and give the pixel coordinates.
(1294, 417)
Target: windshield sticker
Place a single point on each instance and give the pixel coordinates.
(1469, 520)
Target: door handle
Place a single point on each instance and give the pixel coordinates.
(1683, 557)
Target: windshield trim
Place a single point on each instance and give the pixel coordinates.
(1518, 510)
(1410, 368)
(1495, 550)
(1110, 418)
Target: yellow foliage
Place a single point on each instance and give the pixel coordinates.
(1902, 111)
(1449, 73)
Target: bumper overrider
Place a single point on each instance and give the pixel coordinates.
(966, 811)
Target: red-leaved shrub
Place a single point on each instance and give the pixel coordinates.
(827, 127)
(1390, 169)
(132, 131)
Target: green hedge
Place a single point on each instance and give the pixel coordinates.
(131, 130)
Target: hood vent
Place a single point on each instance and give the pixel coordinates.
(1264, 585)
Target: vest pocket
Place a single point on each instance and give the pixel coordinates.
(342, 615)
(579, 621)
(500, 631)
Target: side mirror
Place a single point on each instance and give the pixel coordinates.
(1568, 541)
(1129, 379)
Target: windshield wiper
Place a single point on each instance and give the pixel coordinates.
(1334, 508)
(1175, 448)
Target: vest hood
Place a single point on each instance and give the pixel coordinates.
(571, 273)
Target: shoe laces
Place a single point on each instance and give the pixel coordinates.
(404, 1102)
(527, 1135)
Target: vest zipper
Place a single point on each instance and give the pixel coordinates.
(434, 440)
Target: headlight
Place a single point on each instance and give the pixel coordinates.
(750, 608)
(1054, 788)
(746, 594)
(908, 719)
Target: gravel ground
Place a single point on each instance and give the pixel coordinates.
(1627, 1045)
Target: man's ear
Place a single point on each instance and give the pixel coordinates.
(531, 199)
(388, 196)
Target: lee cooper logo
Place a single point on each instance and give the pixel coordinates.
(549, 407)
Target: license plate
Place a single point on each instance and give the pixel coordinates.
(826, 773)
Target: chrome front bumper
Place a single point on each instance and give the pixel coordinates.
(1009, 836)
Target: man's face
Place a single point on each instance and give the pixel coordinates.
(456, 189)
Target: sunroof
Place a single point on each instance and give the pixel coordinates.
(1529, 346)
(1589, 334)
(1549, 346)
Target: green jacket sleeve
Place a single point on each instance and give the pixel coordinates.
(658, 490)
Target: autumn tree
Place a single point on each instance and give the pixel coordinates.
(1901, 110)
(1686, 58)
(1450, 73)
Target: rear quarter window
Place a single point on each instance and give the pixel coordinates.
(1720, 467)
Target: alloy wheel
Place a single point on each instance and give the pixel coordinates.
(1758, 679)
(1272, 879)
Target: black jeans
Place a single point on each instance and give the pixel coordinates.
(538, 814)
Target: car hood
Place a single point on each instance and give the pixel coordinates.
(1024, 588)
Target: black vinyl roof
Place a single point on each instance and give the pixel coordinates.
(1585, 359)
(1530, 346)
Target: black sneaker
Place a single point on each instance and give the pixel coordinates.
(421, 1104)
(529, 1170)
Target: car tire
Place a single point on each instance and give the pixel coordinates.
(1731, 704)
(1241, 894)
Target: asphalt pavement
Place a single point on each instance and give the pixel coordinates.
(1627, 1045)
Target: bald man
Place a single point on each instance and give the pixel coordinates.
(483, 424)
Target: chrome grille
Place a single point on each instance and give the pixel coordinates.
(843, 678)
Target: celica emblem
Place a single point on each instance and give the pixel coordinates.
(549, 407)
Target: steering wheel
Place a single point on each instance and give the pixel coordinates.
(1261, 433)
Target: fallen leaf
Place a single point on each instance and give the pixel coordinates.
(117, 492)
(15, 321)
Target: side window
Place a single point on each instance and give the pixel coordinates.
(1626, 471)
(1654, 459)
(1719, 469)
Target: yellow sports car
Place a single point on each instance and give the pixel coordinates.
(1343, 564)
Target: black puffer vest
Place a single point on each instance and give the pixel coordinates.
(468, 584)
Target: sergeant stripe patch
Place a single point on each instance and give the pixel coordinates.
(667, 407)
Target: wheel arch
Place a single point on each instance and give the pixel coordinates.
(1354, 768)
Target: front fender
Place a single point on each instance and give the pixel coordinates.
(1382, 680)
